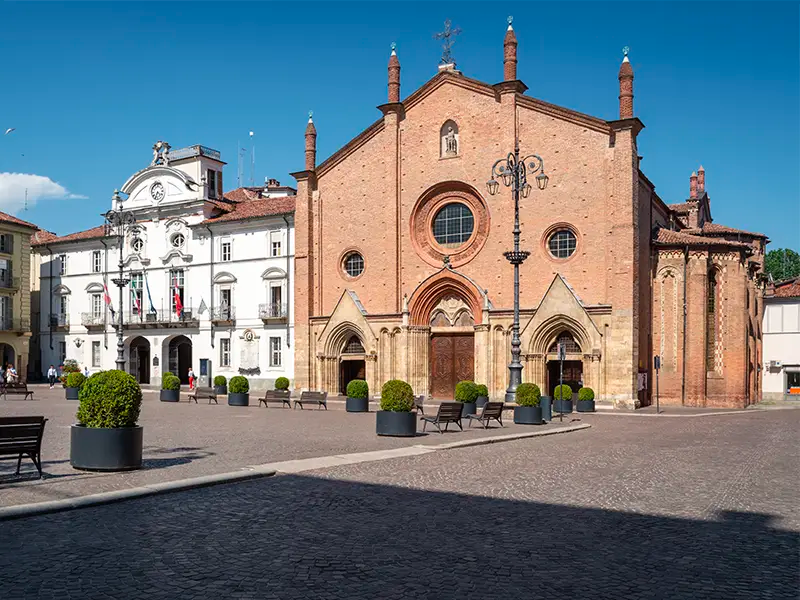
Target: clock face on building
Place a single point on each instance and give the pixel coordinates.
(157, 191)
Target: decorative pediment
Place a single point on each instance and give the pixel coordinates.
(94, 288)
(348, 319)
(61, 290)
(224, 277)
(134, 257)
(273, 273)
(176, 253)
(155, 171)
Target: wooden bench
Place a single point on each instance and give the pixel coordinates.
(449, 412)
(491, 410)
(282, 396)
(318, 398)
(22, 436)
(16, 389)
(203, 393)
(418, 401)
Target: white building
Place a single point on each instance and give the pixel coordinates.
(229, 258)
(782, 342)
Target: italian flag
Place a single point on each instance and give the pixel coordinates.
(178, 303)
(137, 305)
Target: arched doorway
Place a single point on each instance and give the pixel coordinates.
(180, 357)
(573, 365)
(8, 356)
(352, 363)
(139, 363)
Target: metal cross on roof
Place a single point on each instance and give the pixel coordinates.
(447, 41)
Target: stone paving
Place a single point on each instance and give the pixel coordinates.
(183, 440)
(696, 508)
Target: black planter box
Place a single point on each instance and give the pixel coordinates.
(398, 424)
(221, 390)
(468, 408)
(170, 395)
(480, 401)
(240, 399)
(72, 393)
(585, 405)
(98, 449)
(560, 406)
(546, 404)
(528, 415)
(357, 404)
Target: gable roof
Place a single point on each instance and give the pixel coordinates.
(667, 237)
(254, 209)
(789, 288)
(6, 218)
(51, 238)
(717, 229)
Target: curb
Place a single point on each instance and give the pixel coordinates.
(508, 438)
(663, 415)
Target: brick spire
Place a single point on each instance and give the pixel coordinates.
(510, 53)
(394, 76)
(625, 87)
(693, 185)
(701, 180)
(311, 144)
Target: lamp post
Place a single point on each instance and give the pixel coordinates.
(514, 173)
(118, 219)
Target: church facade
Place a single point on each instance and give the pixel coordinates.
(400, 270)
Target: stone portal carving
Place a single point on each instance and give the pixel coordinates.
(248, 362)
(452, 311)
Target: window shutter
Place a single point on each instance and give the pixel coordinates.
(219, 184)
(9, 273)
(10, 244)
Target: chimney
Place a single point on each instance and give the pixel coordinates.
(510, 53)
(693, 185)
(701, 180)
(394, 76)
(625, 87)
(311, 144)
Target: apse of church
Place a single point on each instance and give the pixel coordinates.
(399, 260)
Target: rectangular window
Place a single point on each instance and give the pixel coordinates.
(63, 308)
(6, 315)
(275, 300)
(97, 306)
(212, 183)
(225, 299)
(137, 294)
(97, 262)
(177, 281)
(62, 264)
(95, 354)
(225, 352)
(274, 352)
(62, 352)
(7, 243)
(275, 243)
(5, 273)
(225, 251)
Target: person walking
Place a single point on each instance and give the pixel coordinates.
(191, 379)
(85, 371)
(51, 376)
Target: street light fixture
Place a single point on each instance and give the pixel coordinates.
(514, 172)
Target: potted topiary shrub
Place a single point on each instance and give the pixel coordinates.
(586, 399)
(357, 396)
(395, 417)
(563, 399)
(483, 395)
(220, 385)
(238, 391)
(467, 393)
(170, 388)
(282, 384)
(74, 383)
(528, 411)
(106, 437)
(70, 366)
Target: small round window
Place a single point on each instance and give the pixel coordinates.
(453, 225)
(562, 243)
(353, 264)
(178, 240)
(137, 244)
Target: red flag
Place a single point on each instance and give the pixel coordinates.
(178, 303)
(106, 297)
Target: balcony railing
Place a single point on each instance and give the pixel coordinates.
(223, 314)
(11, 324)
(59, 320)
(9, 283)
(93, 320)
(160, 318)
(272, 311)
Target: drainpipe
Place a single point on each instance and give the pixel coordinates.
(211, 281)
(105, 309)
(683, 369)
(50, 303)
(288, 282)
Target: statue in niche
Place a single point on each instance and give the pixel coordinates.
(450, 142)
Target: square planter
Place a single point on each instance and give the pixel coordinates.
(468, 408)
(546, 404)
(585, 405)
(357, 404)
(221, 390)
(170, 395)
(72, 393)
(562, 406)
(105, 449)
(480, 401)
(528, 415)
(397, 424)
(239, 399)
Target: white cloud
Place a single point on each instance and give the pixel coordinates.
(13, 186)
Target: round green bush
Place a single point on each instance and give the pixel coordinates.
(75, 380)
(528, 394)
(170, 381)
(281, 383)
(220, 380)
(238, 385)
(110, 399)
(466, 391)
(563, 392)
(357, 388)
(397, 396)
(482, 390)
(586, 393)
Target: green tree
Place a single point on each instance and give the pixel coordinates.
(782, 264)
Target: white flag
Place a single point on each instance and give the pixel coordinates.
(203, 308)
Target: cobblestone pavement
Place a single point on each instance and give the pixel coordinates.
(183, 440)
(630, 509)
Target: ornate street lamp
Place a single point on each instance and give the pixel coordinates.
(514, 173)
(117, 221)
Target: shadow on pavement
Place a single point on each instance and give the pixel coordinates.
(306, 537)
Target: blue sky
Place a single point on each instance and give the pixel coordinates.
(90, 87)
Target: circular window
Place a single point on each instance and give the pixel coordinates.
(137, 244)
(177, 240)
(562, 243)
(353, 264)
(453, 225)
